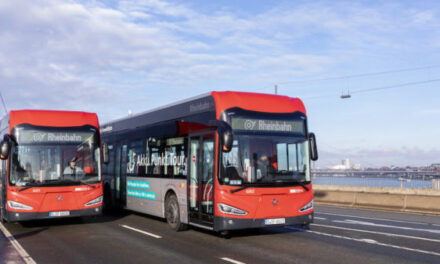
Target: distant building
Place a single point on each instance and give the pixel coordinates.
(357, 166)
(346, 163)
(344, 166)
(435, 165)
(338, 167)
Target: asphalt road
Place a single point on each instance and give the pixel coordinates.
(339, 235)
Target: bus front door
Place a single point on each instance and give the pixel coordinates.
(201, 179)
(3, 185)
(121, 172)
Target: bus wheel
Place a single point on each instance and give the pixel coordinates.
(107, 199)
(225, 234)
(172, 213)
(305, 226)
(2, 218)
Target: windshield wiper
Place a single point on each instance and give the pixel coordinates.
(302, 184)
(81, 182)
(54, 182)
(51, 181)
(27, 185)
(240, 189)
(24, 188)
(87, 183)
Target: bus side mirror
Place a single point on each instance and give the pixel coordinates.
(5, 147)
(225, 132)
(227, 139)
(105, 156)
(313, 147)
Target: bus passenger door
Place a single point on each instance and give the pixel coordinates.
(121, 173)
(201, 179)
(3, 184)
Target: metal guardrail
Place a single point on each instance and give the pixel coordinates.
(436, 184)
(393, 179)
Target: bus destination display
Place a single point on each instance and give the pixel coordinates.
(36, 136)
(268, 125)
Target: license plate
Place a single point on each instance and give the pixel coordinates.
(60, 213)
(275, 221)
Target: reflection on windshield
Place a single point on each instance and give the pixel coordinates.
(266, 159)
(34, 165)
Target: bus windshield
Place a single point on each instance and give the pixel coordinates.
(266, 160)
(45, 158)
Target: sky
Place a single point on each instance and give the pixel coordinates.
(110, 57)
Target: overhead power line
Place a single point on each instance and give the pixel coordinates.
(362, 74)
(395, 86)
(3, 102)
(381, 88)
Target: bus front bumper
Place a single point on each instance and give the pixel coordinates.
(227, 223)
(24, 216)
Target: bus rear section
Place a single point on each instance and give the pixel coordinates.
(52, 166)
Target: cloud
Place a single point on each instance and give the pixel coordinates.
(423, 17)
(83, 55)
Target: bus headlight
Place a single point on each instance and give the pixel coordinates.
(307, 207)
(94, 201)
(227, 209)
(19, 206)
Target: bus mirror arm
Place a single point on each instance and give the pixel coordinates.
(5, 147)
(313, 147)
(225, 132)
(105, 156)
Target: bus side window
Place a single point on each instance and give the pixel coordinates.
(166, 157)
(136, 155)
(177, 155)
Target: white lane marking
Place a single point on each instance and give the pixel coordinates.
(435, 225)
(354, 222)
(369, 241)
(141, 231)
(26, 257)
(319, 218)
(371, 218)
(379, 233)
(232, 261)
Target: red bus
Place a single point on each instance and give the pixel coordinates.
(51, 165)
(220, 161)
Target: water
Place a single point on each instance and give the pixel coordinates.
(372, 182)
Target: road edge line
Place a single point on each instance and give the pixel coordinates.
(377, 232)
(23, 253)
(367, 241)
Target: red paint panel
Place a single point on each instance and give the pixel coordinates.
(52, 118)
(188, 127)
(49, 199)
(269, 103)
(259, 202)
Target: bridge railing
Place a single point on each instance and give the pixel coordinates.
(376, 178)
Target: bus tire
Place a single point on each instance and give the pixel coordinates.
(305, 226)
(172, 213)
(226, 234)
(2, 217)
(107, 198)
